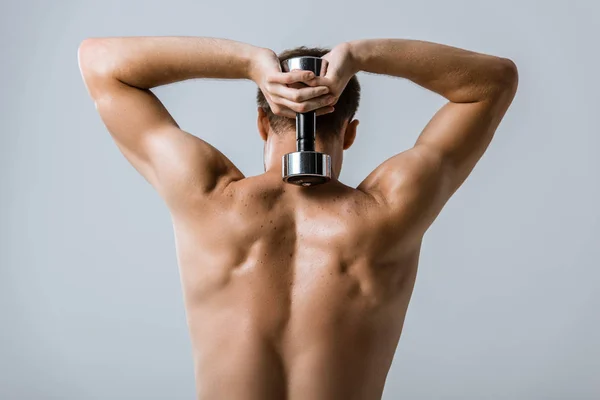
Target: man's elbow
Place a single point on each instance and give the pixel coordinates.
(94, 58)
(507, 77)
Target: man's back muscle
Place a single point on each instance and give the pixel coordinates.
(292, 290)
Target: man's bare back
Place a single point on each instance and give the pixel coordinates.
(294, 292)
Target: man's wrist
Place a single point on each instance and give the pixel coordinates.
(357, 50)
(258, 59)
(252, 58)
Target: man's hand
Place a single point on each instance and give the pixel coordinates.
(338, 69)
(291, 92)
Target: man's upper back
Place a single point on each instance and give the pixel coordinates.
(315, 275)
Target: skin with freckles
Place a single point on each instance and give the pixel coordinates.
(296, 292)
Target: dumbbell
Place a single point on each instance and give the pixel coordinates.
(305, 166)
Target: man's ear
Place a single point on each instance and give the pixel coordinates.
(350, 133)
(263, 124)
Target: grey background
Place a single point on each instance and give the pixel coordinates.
(506, 301)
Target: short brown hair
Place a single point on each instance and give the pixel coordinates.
(328, 125)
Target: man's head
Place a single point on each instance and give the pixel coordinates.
(335, 129)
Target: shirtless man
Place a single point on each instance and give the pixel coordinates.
(296, 292)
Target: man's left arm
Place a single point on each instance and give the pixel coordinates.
(119, 73)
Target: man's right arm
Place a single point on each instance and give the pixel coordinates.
(418, 182)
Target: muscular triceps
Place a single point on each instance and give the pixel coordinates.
(460, 133)
(175, 162)
(418, 182)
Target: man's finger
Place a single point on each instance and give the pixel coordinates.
(284, 111)
(299, 95)
(278, 109)
(291, 77)
(309, 105)
(325, 110)
(324, 65)
(320, 81)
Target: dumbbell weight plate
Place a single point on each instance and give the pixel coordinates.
(306, 168)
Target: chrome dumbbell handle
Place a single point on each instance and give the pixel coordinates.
(305, 167)
(306, 123)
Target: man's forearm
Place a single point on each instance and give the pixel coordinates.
(461, 76)
(146, 62)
